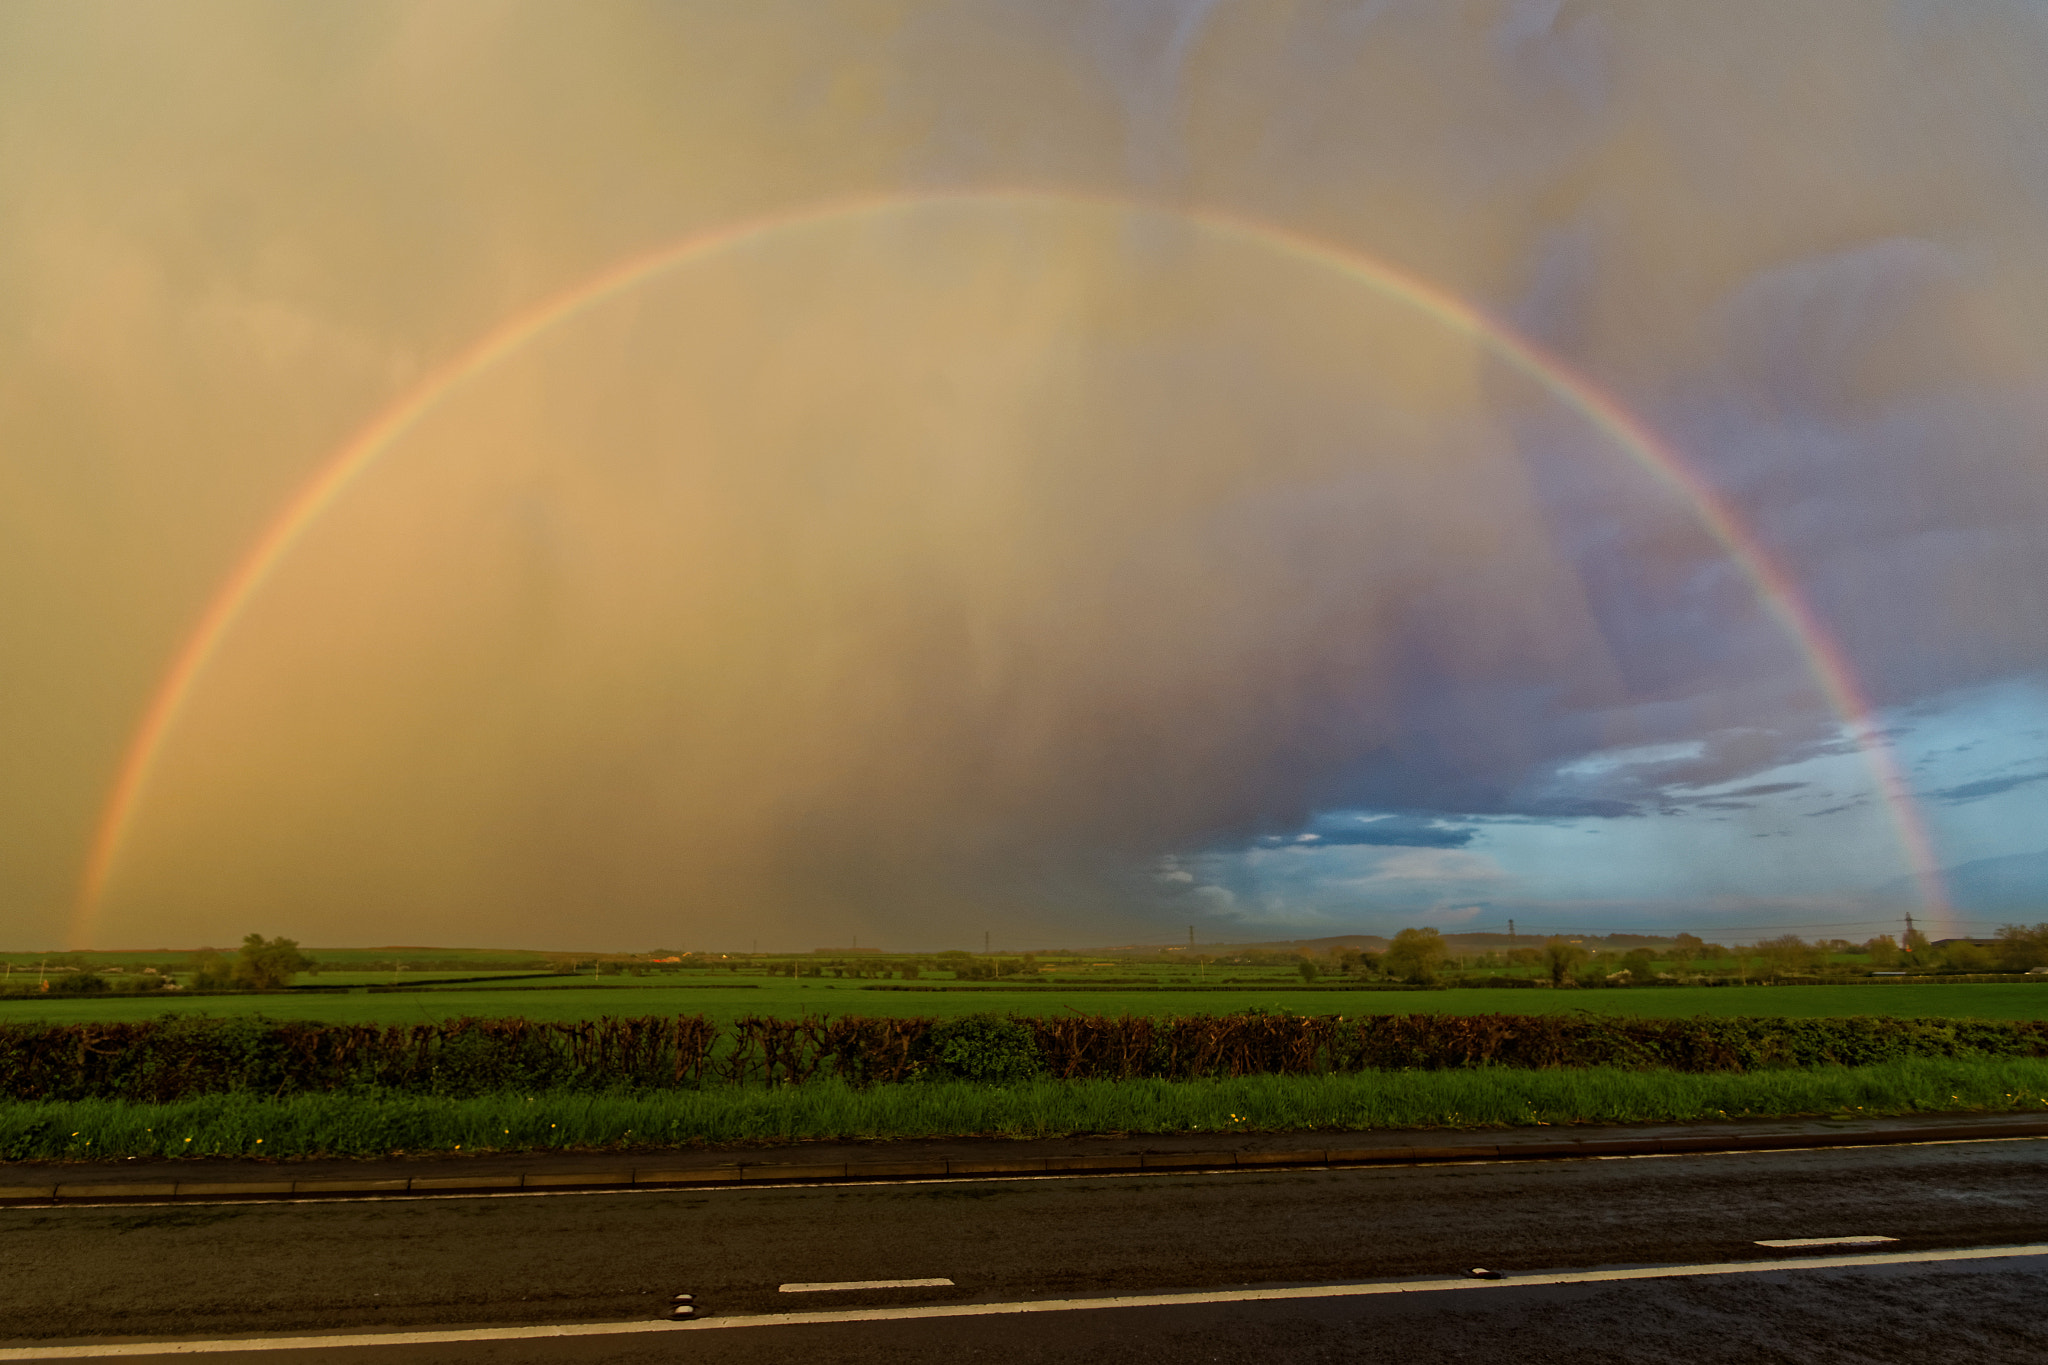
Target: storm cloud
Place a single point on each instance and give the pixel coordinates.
(891, 572)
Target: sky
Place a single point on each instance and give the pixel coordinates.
(997, 489)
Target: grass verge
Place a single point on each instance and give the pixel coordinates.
(380, 1125)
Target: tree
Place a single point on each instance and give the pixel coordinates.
(1686, 949)
(1789, 953)
(1883, 952)
(1415, 955)
(211, 971)
(1639, 963)
(1967, 957)
(1560, 956)
(268, 964)
(1308, 970)
(2021, 949)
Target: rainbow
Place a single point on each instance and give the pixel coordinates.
(1823, 658)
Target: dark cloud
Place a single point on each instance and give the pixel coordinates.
(1990, 786)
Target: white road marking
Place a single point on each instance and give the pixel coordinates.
(1786, 1242)
(1164, 1173)
(827, 1286)
(976, 1310)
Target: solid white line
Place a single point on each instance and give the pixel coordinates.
(1162, 1173)
(975, 1310)
(1786, 1242)
(830, 1285)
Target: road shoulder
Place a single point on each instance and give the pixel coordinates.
(950, 1158)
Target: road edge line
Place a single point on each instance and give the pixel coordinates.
(1194, 1298)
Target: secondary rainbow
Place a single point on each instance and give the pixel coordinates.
(1823, 658)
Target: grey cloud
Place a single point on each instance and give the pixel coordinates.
(1767, 789)
(1990, 786)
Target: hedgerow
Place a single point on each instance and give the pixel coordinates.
(181, 1056)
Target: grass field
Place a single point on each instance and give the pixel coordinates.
(314, 1125)
(565, 998)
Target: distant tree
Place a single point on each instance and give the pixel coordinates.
(268, 964)
(82, 982)
(2021, 949)
(1308, 970)
(1416, 955)
(211, 971)
(1789, 953)
(1559, 957)
(1882, 951)
(1639, 963)
(1967, 957)
(1686, 949)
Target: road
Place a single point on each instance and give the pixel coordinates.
(70, 1275)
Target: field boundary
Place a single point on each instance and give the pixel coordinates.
(654, 1172)
(177, 1058)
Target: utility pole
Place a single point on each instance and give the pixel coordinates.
(984, 943)
(1511, 928)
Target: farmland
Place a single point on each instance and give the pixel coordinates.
(725, 997)
(429, 986)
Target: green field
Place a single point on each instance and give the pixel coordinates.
(377, 1125)
(564, 998)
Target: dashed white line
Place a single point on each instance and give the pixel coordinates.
(972, 1310)
(833, 1286)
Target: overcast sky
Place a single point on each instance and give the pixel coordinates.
(1050, 564)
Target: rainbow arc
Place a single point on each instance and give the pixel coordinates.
(1822, 656)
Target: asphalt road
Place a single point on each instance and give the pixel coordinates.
(75, 1274)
